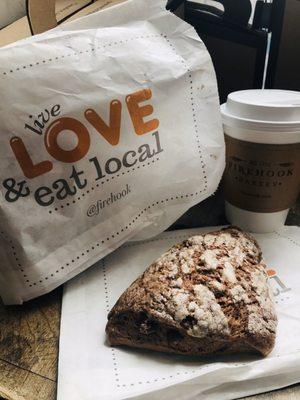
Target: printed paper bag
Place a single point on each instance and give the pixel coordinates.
(110, 130)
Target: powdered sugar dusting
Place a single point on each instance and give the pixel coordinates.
(181, 302)
(225, 252)
(238, 294)
(196, 240)
(210, 285)
(209, 259)
(185, 268)
(229, 272)
(237, 253)
(208, 314)
(178, 283)
(222, 239)
(202, 306)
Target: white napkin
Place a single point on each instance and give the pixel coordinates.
(91, 370)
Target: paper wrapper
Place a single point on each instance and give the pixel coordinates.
(89, 369)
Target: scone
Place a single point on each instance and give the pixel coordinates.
(207, 295)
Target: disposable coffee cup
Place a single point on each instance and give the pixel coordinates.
(262, 174)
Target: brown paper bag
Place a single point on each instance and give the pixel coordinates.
(41, 16)
(47, 14)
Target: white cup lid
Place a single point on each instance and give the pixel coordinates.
(263, 109)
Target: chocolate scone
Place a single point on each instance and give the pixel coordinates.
(207, 295)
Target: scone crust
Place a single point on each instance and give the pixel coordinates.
(209, 294)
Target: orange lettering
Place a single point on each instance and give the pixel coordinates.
(29, 169)
(138, 113)
(110, 132)
(70, 124)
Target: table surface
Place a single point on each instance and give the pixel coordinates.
(29, 334)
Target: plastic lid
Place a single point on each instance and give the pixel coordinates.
(263, 109)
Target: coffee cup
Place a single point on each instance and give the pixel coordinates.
(262, 174)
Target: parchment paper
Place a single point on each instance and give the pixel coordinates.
(91, 370)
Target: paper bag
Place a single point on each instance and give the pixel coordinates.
(110, 130)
